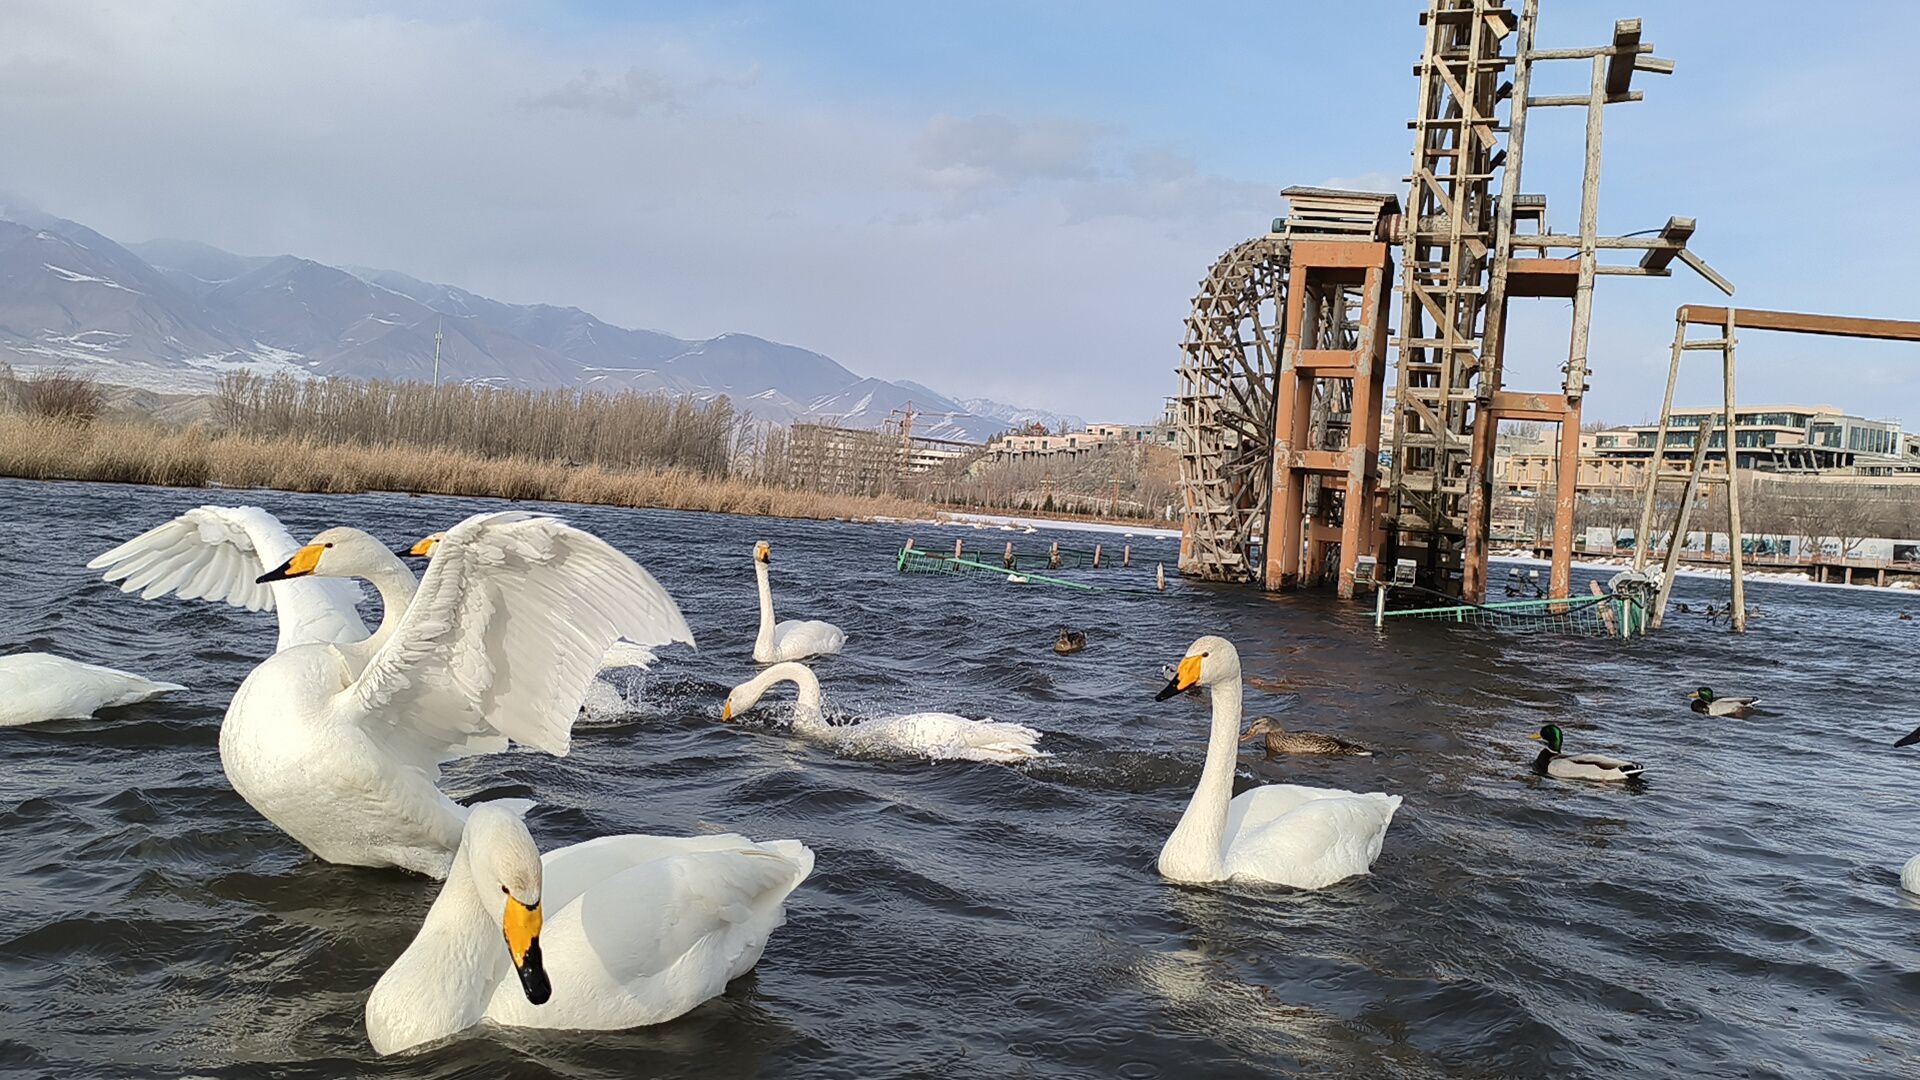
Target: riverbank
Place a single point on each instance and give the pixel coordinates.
(132, 452)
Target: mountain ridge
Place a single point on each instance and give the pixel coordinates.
(171, 315)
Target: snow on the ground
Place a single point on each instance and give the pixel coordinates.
(1771, 577)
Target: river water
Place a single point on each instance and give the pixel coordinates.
(1738, 915)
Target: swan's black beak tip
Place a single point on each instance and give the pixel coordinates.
(1170, 690)
(1911, 738)
(533, 976)
(278, 573)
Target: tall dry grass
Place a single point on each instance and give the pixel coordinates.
(138, 453)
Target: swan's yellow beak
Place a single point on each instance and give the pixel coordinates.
(726, 710)
(424, 546)
(763, 553)
(301, 564)
(521, 925)
(1184, 677)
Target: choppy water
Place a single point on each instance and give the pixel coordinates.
(1738, 916)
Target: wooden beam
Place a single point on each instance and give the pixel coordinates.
(1677, 231)
(1626, 47)
(1516, 405)
(1793, 322)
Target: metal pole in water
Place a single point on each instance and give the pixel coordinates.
(1379, 607)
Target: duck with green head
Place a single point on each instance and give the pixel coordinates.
(1563, 766)
(1706, 703)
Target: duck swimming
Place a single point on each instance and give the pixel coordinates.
(1704, 702)
(1281, 741)
(1561, 766)
(1281, 834)
(1070, 641)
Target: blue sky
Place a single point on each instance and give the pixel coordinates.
(1004, 199)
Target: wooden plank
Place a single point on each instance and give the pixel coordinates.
(1677, 231)
(1518, 405)
(1794, 322)
(1626, 47)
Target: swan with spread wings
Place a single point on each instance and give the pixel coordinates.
(340, 743)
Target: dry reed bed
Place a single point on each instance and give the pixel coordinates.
(135, 453)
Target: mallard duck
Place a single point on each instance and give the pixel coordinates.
(1070, 641)
(1281, 741)
(1706, 704)
(1552, 762)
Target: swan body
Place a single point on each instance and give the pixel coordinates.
(794, 639)
(38, 686)
(1278, 740)
(1281, 834)
(617, 932)
(1910, 876)
(1551, 762)
(219, 553)
(934, 735)
(340, 745)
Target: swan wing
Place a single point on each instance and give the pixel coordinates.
(1323, 838)
(798, 639)
(505, 633)
(642, 922)
(1256, 807)
(947, 736)
(215, 553)
(568, 872)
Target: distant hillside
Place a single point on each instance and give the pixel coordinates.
(171, 315)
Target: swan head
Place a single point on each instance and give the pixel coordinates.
(337, 552)
(763, 553)
(745, 696)
(1263, 726)
(505, 867)
(1551, 735)
(423, 547)
(1210, 662)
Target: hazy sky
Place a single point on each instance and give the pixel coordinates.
(1010, 199)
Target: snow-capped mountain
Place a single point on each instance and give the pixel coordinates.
(171, 315)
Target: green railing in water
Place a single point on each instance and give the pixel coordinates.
(1594, 616)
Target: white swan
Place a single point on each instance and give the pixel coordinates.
(1910, 876)
(218, 553)
(612, 933)
(38, 686)
(795, 639)
(1283, 834)
(940, 736)
(340, 745)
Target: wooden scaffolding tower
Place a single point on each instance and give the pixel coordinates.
(1462, 269)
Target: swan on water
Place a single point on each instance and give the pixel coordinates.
(616, 932)
(219, 553)
(795, 639)
(38, 686)
(1283, 834)
(939, 736)
(340, 745)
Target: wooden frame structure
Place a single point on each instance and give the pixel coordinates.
(1326, 443)
(1462, 272)
(1725, 321)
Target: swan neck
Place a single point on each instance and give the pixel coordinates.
(444, 980)
(764, 640)
(1197, 847)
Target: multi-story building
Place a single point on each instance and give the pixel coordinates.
(1774, 438)
(1014, 446)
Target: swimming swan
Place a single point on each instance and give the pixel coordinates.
(340, 745)
(219, 553)
(1283, 834)
(795, 639)
(38, 686)
(612, 933)
(940, 736)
